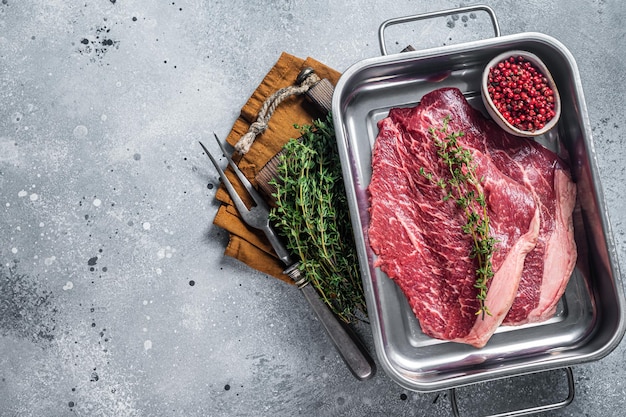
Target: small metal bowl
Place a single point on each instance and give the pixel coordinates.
(498, 117)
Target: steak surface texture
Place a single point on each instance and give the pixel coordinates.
(417, 234)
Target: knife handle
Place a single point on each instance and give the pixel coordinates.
(347, 343)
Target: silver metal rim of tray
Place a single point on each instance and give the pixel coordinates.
(590, 319)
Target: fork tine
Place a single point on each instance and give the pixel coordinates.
(241, 207)
(256, 216)
(258, 199)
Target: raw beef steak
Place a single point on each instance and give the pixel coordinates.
(418, 237)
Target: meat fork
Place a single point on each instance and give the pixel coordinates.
(349, 347)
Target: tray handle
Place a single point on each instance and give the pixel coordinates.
(531, 410)
(430, 15)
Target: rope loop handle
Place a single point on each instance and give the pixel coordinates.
(306, 79)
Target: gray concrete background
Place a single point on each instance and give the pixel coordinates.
(106, 203)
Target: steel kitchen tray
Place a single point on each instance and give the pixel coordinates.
(589, 322)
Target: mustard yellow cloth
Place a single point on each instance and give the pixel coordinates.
(247, 244)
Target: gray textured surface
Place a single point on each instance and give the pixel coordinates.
(105, 212)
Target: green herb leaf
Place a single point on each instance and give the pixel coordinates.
(465, 189)
(312, 214)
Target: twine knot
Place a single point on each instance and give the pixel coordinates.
(306, 79)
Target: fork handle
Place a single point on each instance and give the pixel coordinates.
(347, 343)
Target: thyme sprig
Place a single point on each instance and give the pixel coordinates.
(464, 188)
(312, 214)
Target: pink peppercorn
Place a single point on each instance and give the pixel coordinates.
(520, 92)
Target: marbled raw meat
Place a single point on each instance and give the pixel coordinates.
(417, 236)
